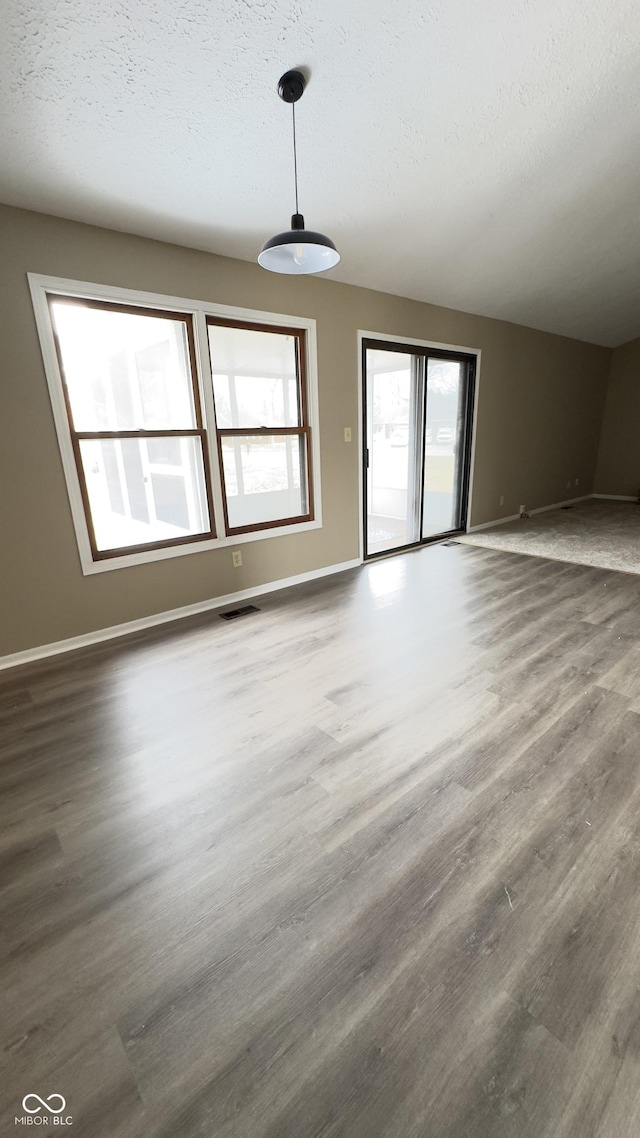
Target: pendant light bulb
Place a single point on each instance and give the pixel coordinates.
(297, 250)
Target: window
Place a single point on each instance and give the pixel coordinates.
(259, 391)
(135, 422)
(182, 425)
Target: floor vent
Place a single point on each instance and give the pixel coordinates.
(451, 543)
(231, 614)
(566, 507)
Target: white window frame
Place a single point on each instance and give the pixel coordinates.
(199, 310)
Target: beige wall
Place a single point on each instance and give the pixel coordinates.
(618, 469)
(540, 406)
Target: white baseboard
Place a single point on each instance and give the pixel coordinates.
(537, 510)
(101, 634)
(559, 505)
(129, 626)
(617, 497)
(497, 522)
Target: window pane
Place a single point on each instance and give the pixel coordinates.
(393, 413)
(145, 490)
(443, 450)
(124, 371)
(265, 478)
(255, 378)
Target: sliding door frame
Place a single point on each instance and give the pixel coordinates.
(435, 350)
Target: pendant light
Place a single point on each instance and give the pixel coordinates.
(297, 250)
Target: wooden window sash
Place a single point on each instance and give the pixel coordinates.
(77, 436)
(303, 428)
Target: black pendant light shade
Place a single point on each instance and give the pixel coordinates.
(297, 250)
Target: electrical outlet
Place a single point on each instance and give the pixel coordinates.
(502, 499)
(577, 481)
(236, 557)
(347, 434)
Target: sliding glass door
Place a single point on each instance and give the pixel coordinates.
(393, 477)
(444, 449)
(418, 406)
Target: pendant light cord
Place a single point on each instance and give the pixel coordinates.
(295, 155)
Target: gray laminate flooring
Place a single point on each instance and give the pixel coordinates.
(365, 864)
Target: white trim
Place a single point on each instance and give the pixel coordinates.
(205, 383)
(145, 556)
(409, 340)
(92, 291)
(537, 510)
(42, 652)
(363, 335)
(54, 382)
(498, 522)
(199, 309)
(125, 629)
(618, 497)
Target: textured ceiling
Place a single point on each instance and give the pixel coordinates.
(482, 156)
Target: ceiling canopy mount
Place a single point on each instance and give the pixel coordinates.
(291, 86)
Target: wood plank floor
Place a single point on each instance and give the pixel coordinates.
(365, 864)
